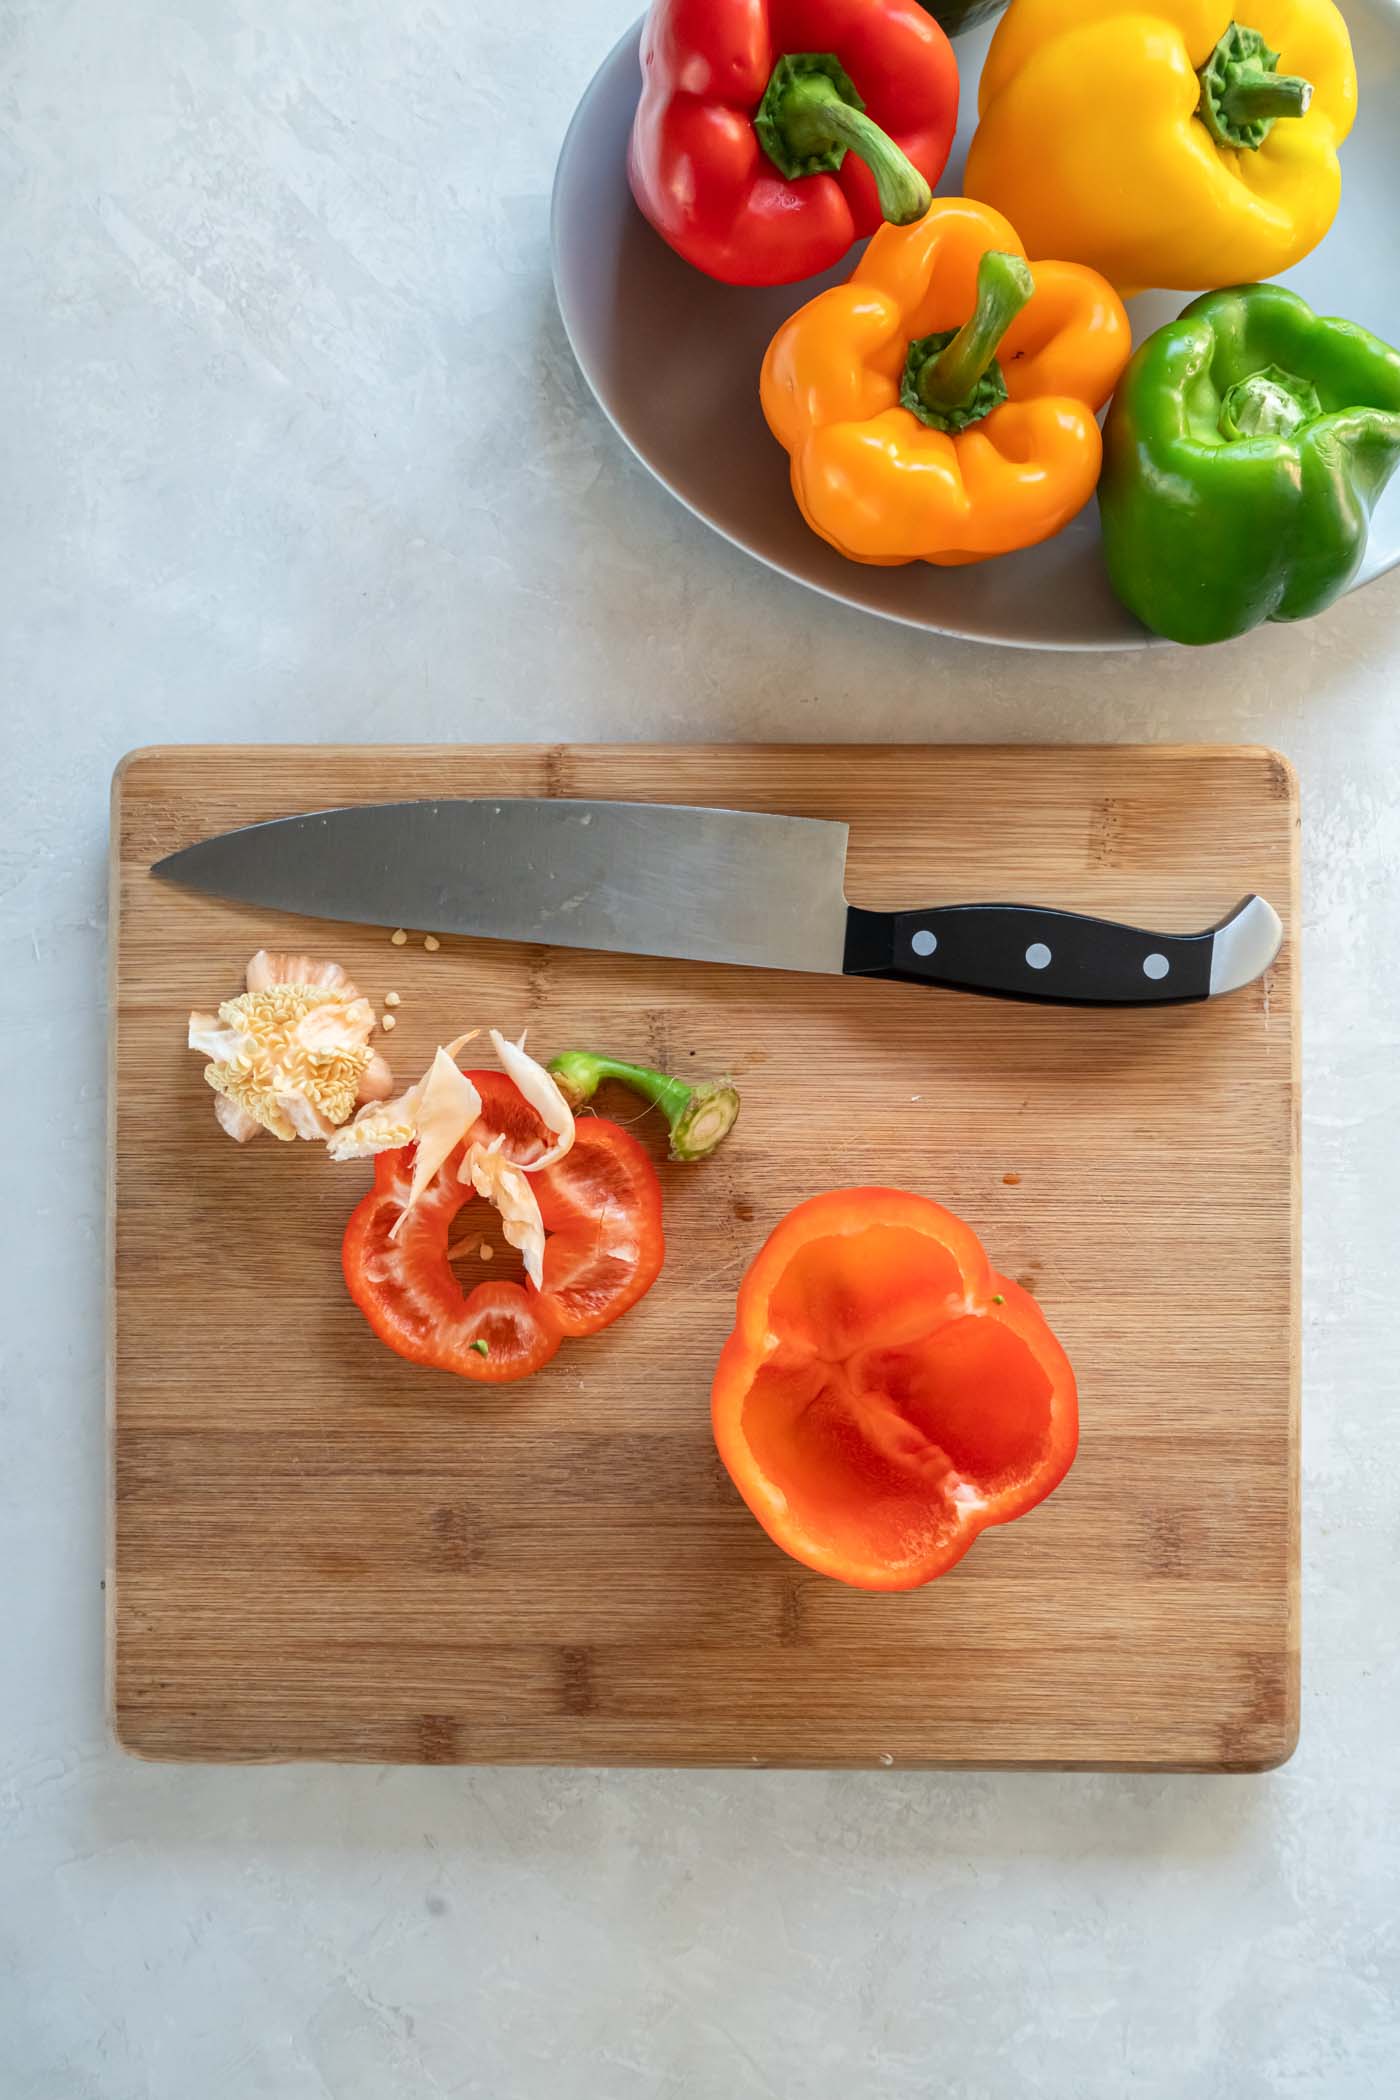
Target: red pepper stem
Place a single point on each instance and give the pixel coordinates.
(903, 193)
(1004, 286)
(811, 117)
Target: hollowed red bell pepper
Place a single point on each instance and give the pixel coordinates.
(601, 1207)
(885, 1396)
(771, 134)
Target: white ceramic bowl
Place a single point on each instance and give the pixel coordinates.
(674, 357)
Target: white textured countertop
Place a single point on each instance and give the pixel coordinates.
(294, 449)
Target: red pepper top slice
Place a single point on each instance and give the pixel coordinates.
(697, 167)
(884, 1396)
(601, 1206)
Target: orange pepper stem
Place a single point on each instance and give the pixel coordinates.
(952, 381)
(1243, 94)
(811, 116)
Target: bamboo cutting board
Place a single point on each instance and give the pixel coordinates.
(319, 1550)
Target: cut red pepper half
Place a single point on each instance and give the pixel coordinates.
(885, 1396)
(601, 1206)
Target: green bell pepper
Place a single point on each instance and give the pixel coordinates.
(955, 16)
(1244, 452)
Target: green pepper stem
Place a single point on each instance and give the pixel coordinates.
(1004, 285)
(1268, 403)
(811, 116)
(699, 1117)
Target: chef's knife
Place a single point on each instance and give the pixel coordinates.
(718, 885)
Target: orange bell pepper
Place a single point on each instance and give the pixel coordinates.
(941, 405)
(884, 1397)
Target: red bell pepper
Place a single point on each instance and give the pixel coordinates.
(884, 1397)
(754, 153)
(601, 1207)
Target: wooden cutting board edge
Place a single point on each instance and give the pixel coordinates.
(553, 758)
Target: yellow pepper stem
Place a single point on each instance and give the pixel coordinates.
(954, 380)
(1243, 94)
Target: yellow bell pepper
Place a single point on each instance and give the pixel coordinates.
(1162, 141)
(941, 406)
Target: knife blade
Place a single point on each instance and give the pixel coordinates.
(709, 885)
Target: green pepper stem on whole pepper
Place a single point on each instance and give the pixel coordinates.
(700, 1116)
(1244, 452)
(1268, 403)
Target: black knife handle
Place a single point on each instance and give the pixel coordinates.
(1018, 951)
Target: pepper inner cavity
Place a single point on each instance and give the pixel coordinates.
(886, 1407)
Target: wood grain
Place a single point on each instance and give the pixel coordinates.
(321, 1551)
